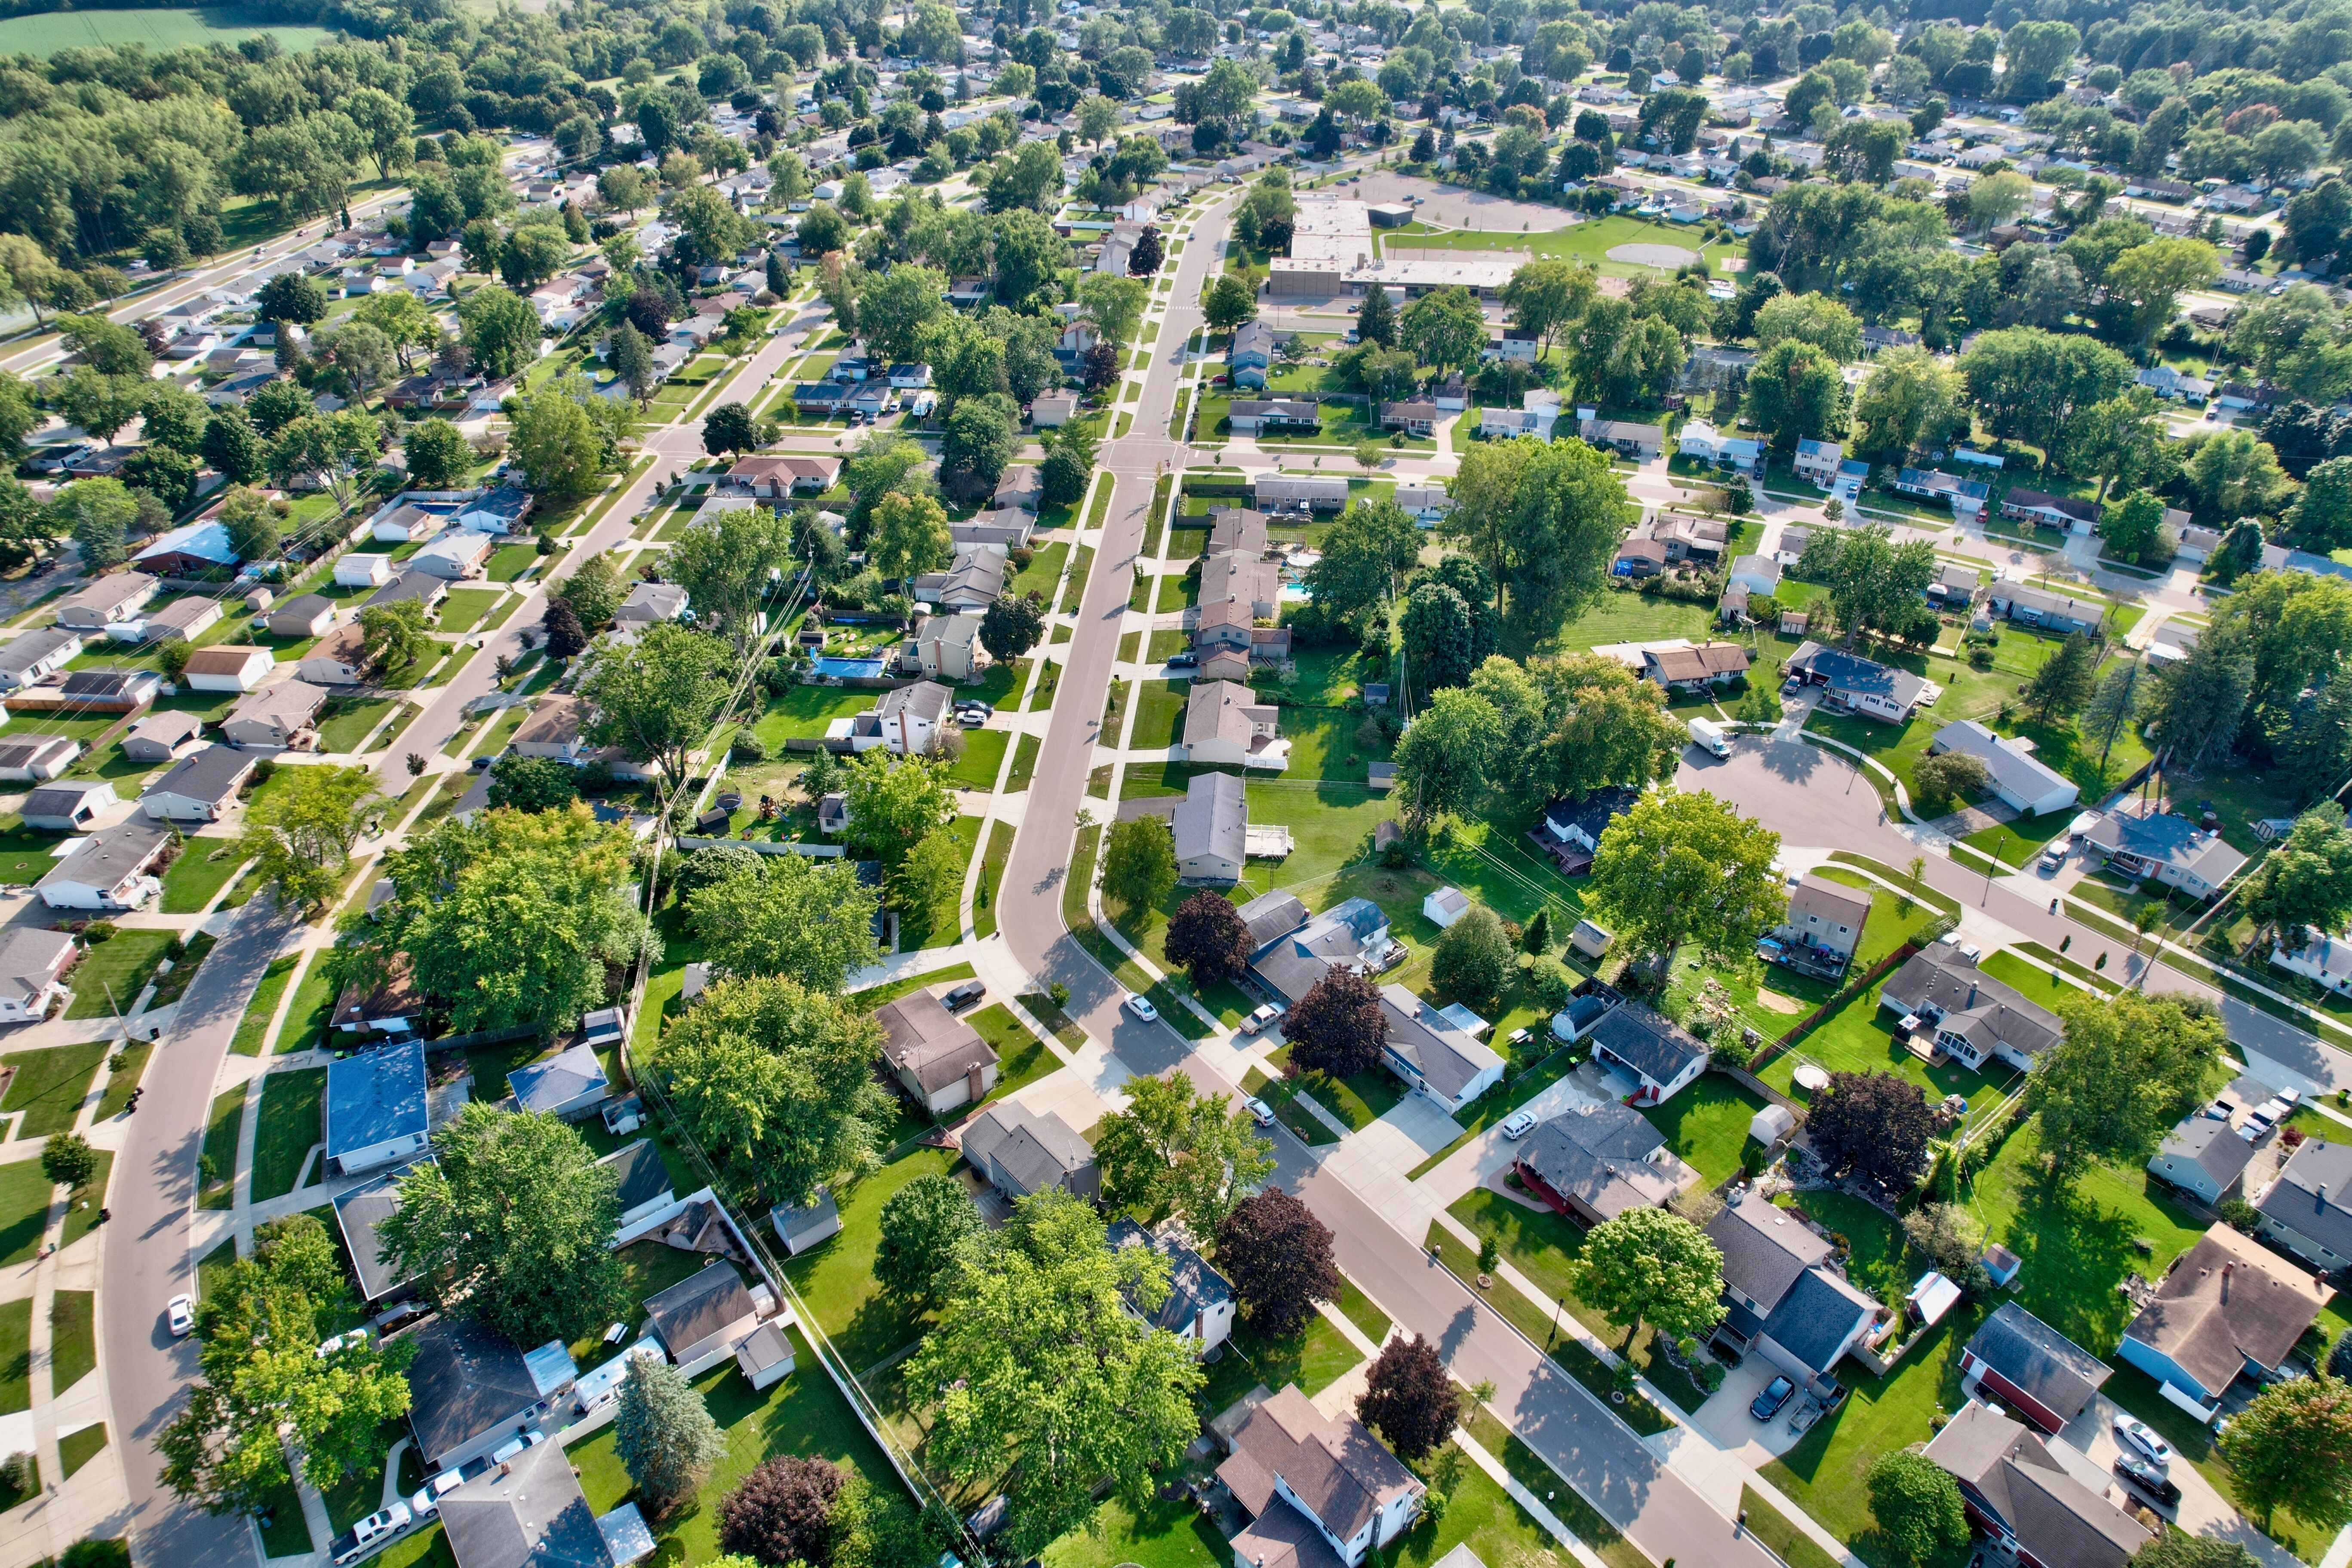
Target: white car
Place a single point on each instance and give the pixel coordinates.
(1259, 1111)
(428, 1501)
(1519, 1125)
(1259, 1018)
(2135, 1433)
(180, 1311)
(1142, 1008)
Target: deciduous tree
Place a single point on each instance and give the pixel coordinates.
(1278, 1257)
(1338, 1026)
(1686, 868)
(1444, 756)
(893, 803)
(437, 456)
(2128, 1068)
(927, 1227)
(1206, 935)
(725, 564)
(1139, 864)
(1473, 959)
(657, 698)
(1011, 625)
(2291, 1448)
(782, 1511)
(1918, 1506)
(811, 921)
(1408, 1396)
(1872, 1125)
(1651, 1266)
(301, 833)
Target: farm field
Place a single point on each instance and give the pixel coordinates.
(158, 29)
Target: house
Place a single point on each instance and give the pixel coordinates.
(360, 1214)
(973, 581)
(2033, 1509)
(2032, 1367)
(1954, 588)
(1570, 833)
(1225, 723)
(1200, 1305)
(405, 522)
(1658, 1054)
(1783, 1295)
(1695, 668)
(1435, 1052)
(2023, 781)
(648, 604)
(1817, 462)
(2204, 1156)
(1969, 1015)
(339, 658)
(375, 1112)
(42, 758)
(569, 1084)
(1414, 417)
(1870, 689)
(773, 476)
(393, 1005)
(1967, 498)
(702, 1318)
(496, 511)
(1825, 921)
(412, 587)
(362, 572)
(908, 717)
(1239, 578)
(1316, 1488)
(1642, 443)
(530, 1512)
(471, 1391)
(1211, 826)
(1273, 417)
(455, 556)
(2326, 959)
(2048, 612)
(1237, 532)
(946, 648)
(1050, 410)
(304, 616)
(1597, 1162)
(939, 1061)
(182, 617)
(1639, 555)
(109, 872)
(1004, 527)
(2057, 511)
(226, 668)
(2228, 1306)
(1252, 353)
(33, 963)
(2172, 849)
(1688, 538)
(1517, 345)
(1443, 906)
(2304, 1210)
(191, 550)
(1292, 951)
(106, 689)
(1298, 492)
(275, 718)
(1019, 488)
(553, 730)
(1752, 576)
(67, 806)
(35, 655)
(200, 787)
(112, 599)
(1023, 1151)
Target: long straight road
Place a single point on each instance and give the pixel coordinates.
(1656, 1509)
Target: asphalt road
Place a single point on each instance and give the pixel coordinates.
(147, 1258)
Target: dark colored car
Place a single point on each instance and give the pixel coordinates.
(1775, 1394)
(1183, 660)
(2148, 1479)
(963, 995)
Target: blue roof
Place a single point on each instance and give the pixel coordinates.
(375, 1097)
(208, 541)
(1854, 468)
(1809, 447)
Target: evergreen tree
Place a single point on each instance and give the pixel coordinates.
(2062, 684)
(664, 1433)
(633, 360)
(1376, 323)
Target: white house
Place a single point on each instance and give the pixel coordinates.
(2022, 780)
(455, 556)
(1650, 1049)
(109, 872)
(1704, 442)
(1818, 461)
(227, 669)
(1200, 1305)
(1433, 1052)
(2325, 959)
(405, 523)
(356, 571)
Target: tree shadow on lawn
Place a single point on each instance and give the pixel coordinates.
(2072, 1252)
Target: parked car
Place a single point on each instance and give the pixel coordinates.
(2053, 857)
(180, 1311)
(1775, 1394)
(426, 1502)
(1260, 1016)
(2136, 1436)
(1519, 1125)
(514, 1445)
(1142, 1008)
(375, 1527)
(963, 995)
(1259, 1111)
(2148, 1479)
(1185, 660)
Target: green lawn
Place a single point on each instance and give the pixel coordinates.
(287, 1128)
(123, 963)
(1859, 1037)
(312, 1009)
(983, 756)
(217, 1173)
(1159, 713)
(48, 1086)
(24, 1196)
(1705, 1124)
(1585, 242)
(203, 870)
(805, 711)
(512, 560)
(159, 31)
(73, 1335)
(24, 855)
(351, 725)
(1162, 1535)
(15, 1355)
(123, 1078)
(86, 1200)
(463, 610)
(1314, 1358)
(835, 1278)
(257, 1013)
(77, 1449)
(1022, 1057)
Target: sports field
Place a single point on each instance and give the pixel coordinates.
(159, 29)
(1587, 242)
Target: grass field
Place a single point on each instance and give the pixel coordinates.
(49, 1086)
(1585, 242)
(24, 1194)
(159, 30)
(123, 963)
(202, 871)
(73, 1334)
(287, 1128)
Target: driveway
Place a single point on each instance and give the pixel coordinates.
(1727, 1423)
(1490, 1152)
(2087, 1448)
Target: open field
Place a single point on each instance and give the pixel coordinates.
(159, 30)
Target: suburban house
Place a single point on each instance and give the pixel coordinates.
(1825, 923)
(1654, 1051)
(471, 1392)
(412, 587)
(189, 550)
(1870, 689)
(109, 872)
(2326, 959)
(643, 1181)
(37, 654)
(2304, 1211)
(649, 603)
(161, 737)
(275, 718)
(2032, 1367)
(67, 806)
(339, 658)
(2172, 849)
(553, 730)
(1688, 538)
(1642, 443)
(1211, 826)
(939, 1059)
(1023, 1151)
(111, 601)
(1316, 1487)
(1275, 416)
(1817, 462)
(973, 581)
(33, 963)
(946, 648)
(1785, 1298)
(2023, 781)
(183, 617)
(393, 1005)
(702, 1318)
(2031, 1506)
(1431, 1050)
(1597, 1162)
(200, 787)
(1293, 952)
(1252, 353)
(227, 669)
(1967, 498)
(2043, 611)
(2204, 1155)
(405, 522)
(569, 1084)
(1970, 1016)
(531, 1511)
(903, 720)
(1954, 588)
(2057, 511)
(360, 1214)
(1413, 416)
(500, 510)
(1739, 454)
(1201, 1304)
(773, 476)
(105, 689)
(455, 556)
(1225, 722)
(1696, 667)
(375, 1109)
(1241, 580)
(1570, 833)
(356, 571)
(42, 757)
(2229, 1307)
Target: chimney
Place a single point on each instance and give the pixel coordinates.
(2227, 1268)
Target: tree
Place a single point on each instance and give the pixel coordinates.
(1949, 1236)
(1337, 1027)
(2321, 517)
(927, 1227)
(2305, 884)
(726, 563)
(393, 636)
(810, 920)
(2133, 531)
(403, 320)
(291, 296)
(1114, 304)
(1139, 863)
(68, 1160)
(565, 636)
(1545, 520)
(511, 1224)
(1445, 755)
(2064, 683)
(160, 471)
(95, 514)
(1438, 644)
(1011, 625)
(96, 403)
(1473, 959)
(301, 833)
(499, 329)
(729, 427)
(657, 697)
(276, 403)
(1150, 250)
(337, 447)
(2146, 281)
(2291, 1448)
(532, 784)
(1278, 1257)
(781, 1512)
(2200, 699)
(1377, 321)
(633, 360)
(775, 1081)
(1049, 1373)
(893, 803)
(1445, 328)
(437, 456)
(662, 1432)
(175, 418)
(2178, 1549)
(556, 443)
(1172, 1151)
(1875, 583)
(1650, 1266)
(1362, 554)
(231, 445)
(1795, 393)
(1872, 1125)
(1917, 1505)
(1206, 935)
(1408, 1396)
(1947, 779)
(980, 438)
(1228, 303)
(1686, 868)
(2128, 1068)
(1543, 297)
(909, 536)
(1813, 319)
(593, 590)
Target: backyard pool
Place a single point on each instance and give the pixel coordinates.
(851, 668)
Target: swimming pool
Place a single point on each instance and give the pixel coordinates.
(851, 668)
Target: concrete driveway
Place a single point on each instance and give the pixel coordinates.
(2087, 1448)
(1470, 1165)
(1725, 1418)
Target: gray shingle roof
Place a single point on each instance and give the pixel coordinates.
(559, 1080)
(922, 1039)
(2013, 771)
(1444, 1054)
(375, 1096)
(2308, 1196)
(2229, 1301)
(1644, 1040)
(2057, 1372)
(1850, 672)
(464, 1381)
(358, 1214)
(1192, 1286)
(1270, 916)
(698, 1306)
(2055, 1516)
(2211, 1144)
(1212, 819)
(1818, 1318)
(1598, 1154)
(1974, 1005)
(639, 1170)
(530, 1513)
(1764, 1249)
(1036, 1149)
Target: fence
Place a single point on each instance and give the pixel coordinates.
(1845, 994)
